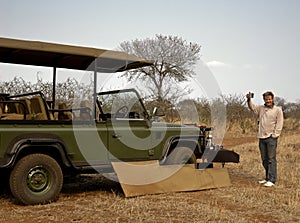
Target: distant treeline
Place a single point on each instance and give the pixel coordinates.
(236, 108)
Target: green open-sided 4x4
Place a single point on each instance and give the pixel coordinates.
(39, 143)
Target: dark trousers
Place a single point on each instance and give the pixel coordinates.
(267, 149)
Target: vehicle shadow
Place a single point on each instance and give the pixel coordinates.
(91, 182)
(4, 187)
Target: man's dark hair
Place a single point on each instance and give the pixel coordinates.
(268, 93)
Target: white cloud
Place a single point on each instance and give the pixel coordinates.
(215, 63)
(220, 64)
(253, 66)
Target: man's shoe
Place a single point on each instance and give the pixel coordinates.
(269, 184)
(262, 181)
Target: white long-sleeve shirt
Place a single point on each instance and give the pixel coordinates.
(270, 120)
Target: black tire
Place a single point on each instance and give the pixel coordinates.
(36, 179)
(181, 156)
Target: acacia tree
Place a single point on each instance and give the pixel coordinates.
(174, 60)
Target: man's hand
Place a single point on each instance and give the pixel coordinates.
(248, 96)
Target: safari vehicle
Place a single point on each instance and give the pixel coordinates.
(41, 142)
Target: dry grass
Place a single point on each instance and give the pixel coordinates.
(96, 199)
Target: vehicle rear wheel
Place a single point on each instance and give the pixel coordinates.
(36, 179)
(181, 155)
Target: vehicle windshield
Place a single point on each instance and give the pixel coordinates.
(123, 104)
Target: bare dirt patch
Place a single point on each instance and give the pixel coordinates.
(235, 141)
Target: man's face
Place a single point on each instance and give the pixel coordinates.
(268, 101)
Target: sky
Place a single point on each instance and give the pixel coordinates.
(246, 45)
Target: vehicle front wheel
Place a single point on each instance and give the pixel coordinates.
(181, 155)
(36, 179)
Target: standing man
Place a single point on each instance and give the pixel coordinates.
(270, 118)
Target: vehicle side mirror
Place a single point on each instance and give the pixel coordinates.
(154, 112)
(155, 115)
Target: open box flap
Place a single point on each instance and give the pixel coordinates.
(148, 177)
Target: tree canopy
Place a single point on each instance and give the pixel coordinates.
(174, 59)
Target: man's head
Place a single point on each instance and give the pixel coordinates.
(268, 98)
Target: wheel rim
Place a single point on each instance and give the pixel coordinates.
(38, 179)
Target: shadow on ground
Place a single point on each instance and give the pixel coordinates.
(90, 182)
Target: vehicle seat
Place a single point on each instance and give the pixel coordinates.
(20, 108)
(85, 111)
(38, 109)
(64, 115)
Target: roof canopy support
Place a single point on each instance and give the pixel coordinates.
(54, 55)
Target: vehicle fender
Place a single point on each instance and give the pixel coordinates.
(31, 143)
(181, 141)
(225, 156)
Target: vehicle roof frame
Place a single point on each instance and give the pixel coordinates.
(36, 53)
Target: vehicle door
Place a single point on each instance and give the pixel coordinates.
(129, 135)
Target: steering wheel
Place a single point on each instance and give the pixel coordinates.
(122, 112)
